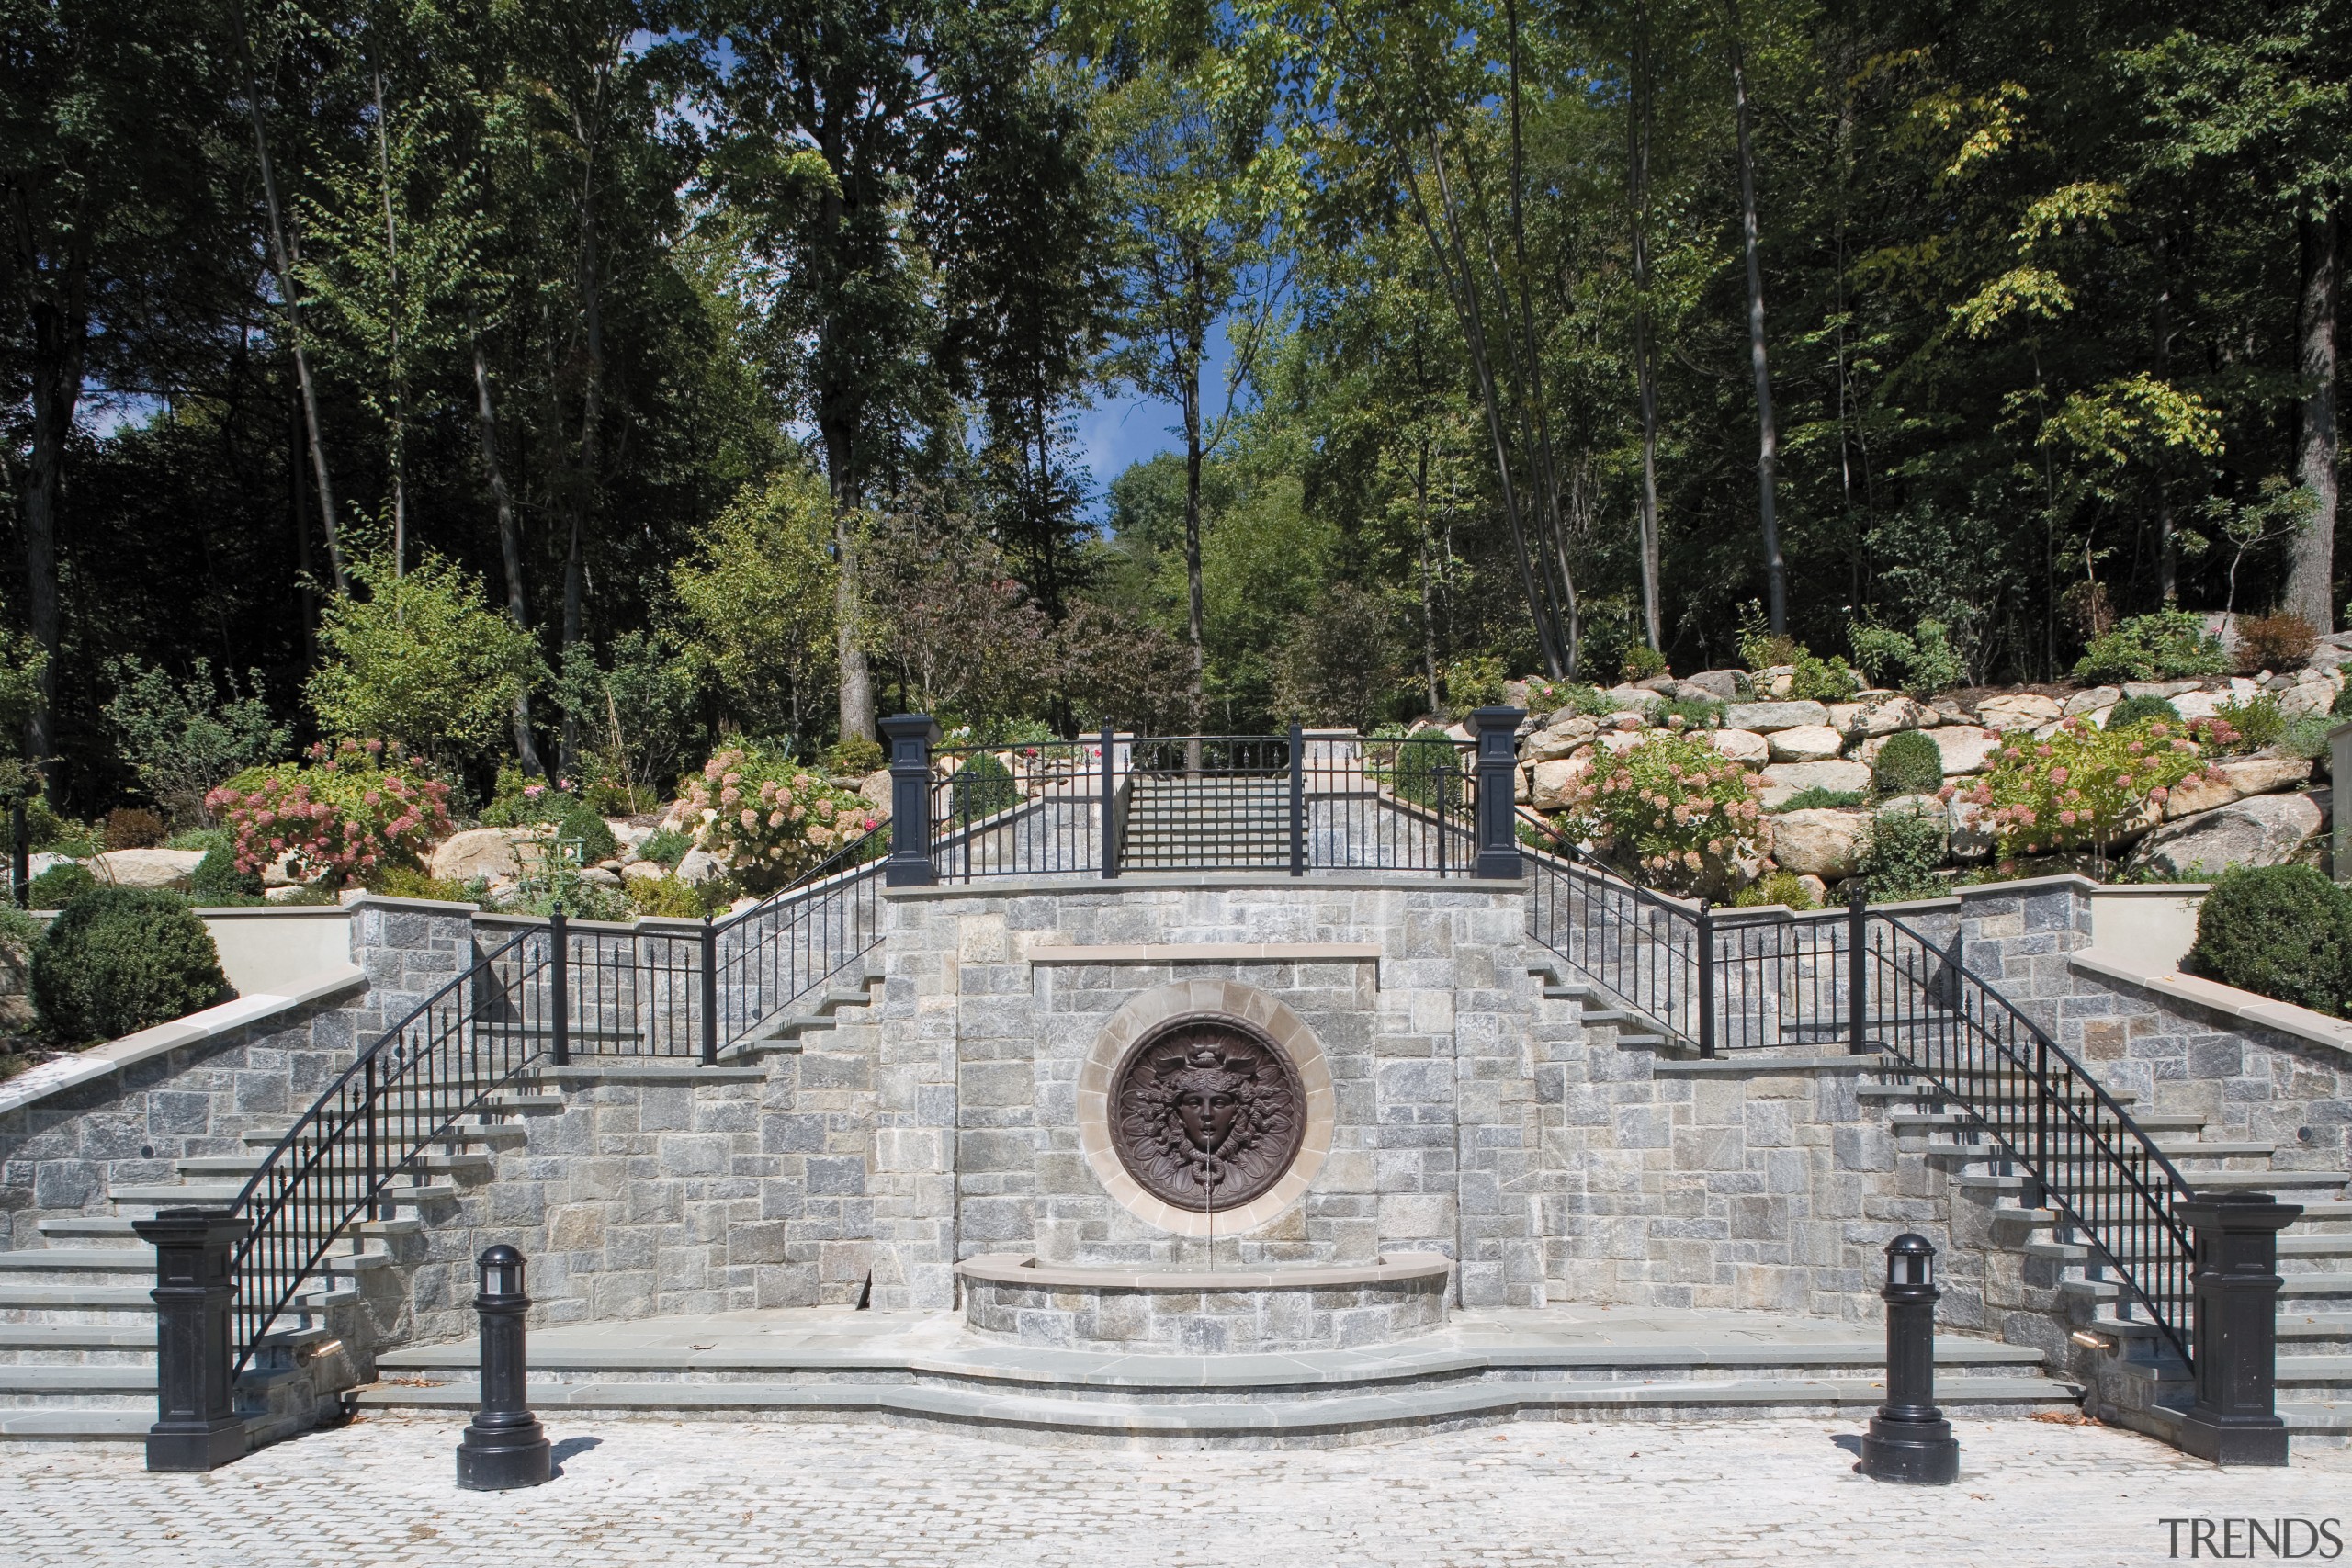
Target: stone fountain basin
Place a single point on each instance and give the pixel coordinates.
(1011, 1295)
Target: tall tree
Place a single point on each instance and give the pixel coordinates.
(1768, 431)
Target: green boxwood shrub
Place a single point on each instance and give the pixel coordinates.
(2283, 932)
(2167, 645)
(59, 886)
(581, 822)
(1908, 764)
(217, 882)
(121, 959)
(1900, 854)
(981, 787)
(2139, 710)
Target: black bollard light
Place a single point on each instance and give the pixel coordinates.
(1909, 1438)
(504, 1446)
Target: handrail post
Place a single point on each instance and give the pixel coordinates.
(1494, 732)
(2235, 1419)
(709, 993)
(911, 736)
(196, 1425)
(1110, 804)
(1857, 985)
(559, 984)
(1706, 926)
(1297, 798)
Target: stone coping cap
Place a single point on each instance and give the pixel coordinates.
(1020, 1268)
(65, 1072)
(1209, 953)
(1092, 882)
(1759, 1062)
(2248, 1007)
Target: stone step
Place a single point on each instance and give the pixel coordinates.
(66, 1336)
(2311, 1287)
(2307, 1328)
(2178, 1149)
(2316, 1369)
(180, 1195)
(2269, 1180)
(525, 1101)
(77, 1425)
(2327, 1245)
(2316, 1418)
(2320, 1214)
(497, 1135)
(52, 1380)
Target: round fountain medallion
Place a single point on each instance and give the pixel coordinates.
(1207, 1114)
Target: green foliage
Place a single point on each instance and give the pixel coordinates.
(1672, 810)
(767, 818)
(1339, 663)
(2139, 710)
(1900, 854)
(59, 886)
(981, 787)
(1821, 680)
(635, 714)
(1642, 662)
(217, 884)
(349, 812)
(117, 960)
(184, 739)
(2282, 931)
(1814, 797)
(414, 882)
(2305, 735)
(2278, 642)
(1909, 764)
(1476, 682)
(665, 847)
(1922, 662)
(756, 601)
(421, 659)
(1784, 889)
(1696, 713)
(1425, 768)
(671, 898)
(2169, 644)
(856, 757)
(2078, 789)
(1555, 697)
(2251, 725)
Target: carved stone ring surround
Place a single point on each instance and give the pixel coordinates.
(1227, 1031)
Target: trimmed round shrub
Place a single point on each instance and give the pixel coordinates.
(2139, 710)
(2282, 931)
(133, 828)
(218, 882)
(1908, 764)
(981, 787)
(582, 821)
(121, 959)
(59, 886)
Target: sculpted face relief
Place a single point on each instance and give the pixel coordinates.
(1206, 1114)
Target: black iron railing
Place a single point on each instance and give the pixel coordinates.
(1864, 981)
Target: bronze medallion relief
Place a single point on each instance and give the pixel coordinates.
(1207, 1114)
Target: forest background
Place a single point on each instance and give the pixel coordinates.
(567, 387)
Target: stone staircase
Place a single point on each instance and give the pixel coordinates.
(1213, 822)
(2315, 1254)
(77, 1320)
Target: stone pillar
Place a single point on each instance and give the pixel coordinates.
(1496, 764)
(196, 1425)
(912, 737)
(2236, 1418)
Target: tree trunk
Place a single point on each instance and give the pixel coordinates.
(284, 256)
(1194, 626)
(2310, 575)
(2167, 549)
(510, 537)
(591, 417)
(1768, 439)
(61, 344)
(399, 377)
(1638, 180)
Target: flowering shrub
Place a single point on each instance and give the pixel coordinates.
(347, 814)
(2083, 787)
(765, 816)
(1673, 811)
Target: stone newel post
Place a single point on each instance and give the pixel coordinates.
(196, 1425)
(2236, 1418)
(912, 737)
(1495, 765)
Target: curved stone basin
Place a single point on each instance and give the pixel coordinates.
(1010, 1295)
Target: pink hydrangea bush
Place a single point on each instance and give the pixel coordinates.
(768, 818)
(2084, 788)
(347, 813)
(1672, 812)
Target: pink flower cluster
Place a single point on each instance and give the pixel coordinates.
(1673, 807)
(2084, 787)
(767, 818)
(340, 818)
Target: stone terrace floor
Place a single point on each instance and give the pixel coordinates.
(651, 1492)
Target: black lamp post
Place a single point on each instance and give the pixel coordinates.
(1909, 1438)
(504, 1446)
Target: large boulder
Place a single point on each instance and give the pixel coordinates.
(494, 853)
(2308, 699)
(1881, 716)
(1547, 787)
(2239, 780)
(2166, 689)
(1819, 843)
(2017, 710)
(698, 866)
(1723, 685)
(2198, 704)
(147, 868)
(874, 790)
(1807, 743)
(1742, 746)
(1964, 748)
(1633, 699)
(1765, 717)
(1971, 839)
(2269, 830)
(1563, 738)
(1784, 781)
(2083, 704)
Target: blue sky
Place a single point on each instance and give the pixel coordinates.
(1124, 428)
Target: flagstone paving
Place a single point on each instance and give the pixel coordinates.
(653, 1491)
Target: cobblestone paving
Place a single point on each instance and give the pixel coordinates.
(656, 1492)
